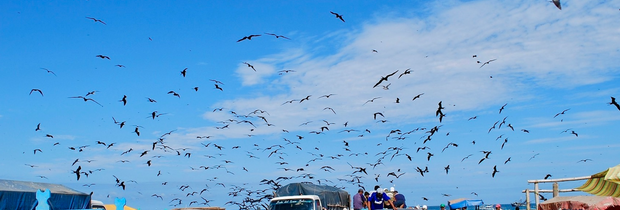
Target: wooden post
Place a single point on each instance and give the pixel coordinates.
(527, 199)
(556, 189)
(536, 194)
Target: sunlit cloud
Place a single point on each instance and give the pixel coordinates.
(526, 53)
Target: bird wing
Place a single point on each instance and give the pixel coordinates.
(381, 80)
(557, 4)
(389, 75)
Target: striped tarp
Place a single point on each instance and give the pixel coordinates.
(605, 183)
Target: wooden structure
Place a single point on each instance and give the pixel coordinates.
(556, 191)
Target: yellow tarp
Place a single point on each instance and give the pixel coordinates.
(605, 183)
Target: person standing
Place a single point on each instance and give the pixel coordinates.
(442, 206)
(399, 200)
(359, 200)
(378, 199)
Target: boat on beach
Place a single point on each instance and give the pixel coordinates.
(486, 207)
(519, 204)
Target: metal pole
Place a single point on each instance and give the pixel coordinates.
(556, 189)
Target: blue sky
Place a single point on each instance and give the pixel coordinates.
(541, 61)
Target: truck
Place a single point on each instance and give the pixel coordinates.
(309, 196)
(96, 204)
(296, 202)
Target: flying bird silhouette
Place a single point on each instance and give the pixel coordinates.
(372, 100)
(124, 100)
(502, 108)
(137, 131)
(48, 71)
(248, 37)
(377, 113)
(285, 71)
(36, 90)
(418, 169)
(249, 65)
(77, 172)
(87, 99)
(417, 96)
(277, 36)
(174, 94)
(395, 175)
(96, 20)
(337, 15)
(103, 57)
(584, 160)
(385, 78)
(613, 102)
(439, 112)
(562, 112)
(485, 63)
(218, 87)
(184, 72)
(573, 132)
(407, 71)
(466, 157)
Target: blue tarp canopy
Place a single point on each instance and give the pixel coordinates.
(21, 195)
(330, 196)
(462, 202)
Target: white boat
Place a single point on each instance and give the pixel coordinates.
(486, 207)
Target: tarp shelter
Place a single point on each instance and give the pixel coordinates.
(330, 196)
(606, 183)
(21, 195)
(462, 202)
(581, 202)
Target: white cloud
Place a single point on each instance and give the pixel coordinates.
(576, 120)
(535, 46)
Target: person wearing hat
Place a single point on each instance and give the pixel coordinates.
(498, 207)
(424, 207)
(442, 206)
(377, 200)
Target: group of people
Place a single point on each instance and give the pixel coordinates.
(378, 199)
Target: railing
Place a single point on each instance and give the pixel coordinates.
(556, 191)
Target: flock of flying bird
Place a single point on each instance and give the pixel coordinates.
(292, 146)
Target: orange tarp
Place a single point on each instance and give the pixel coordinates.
(113, 207)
